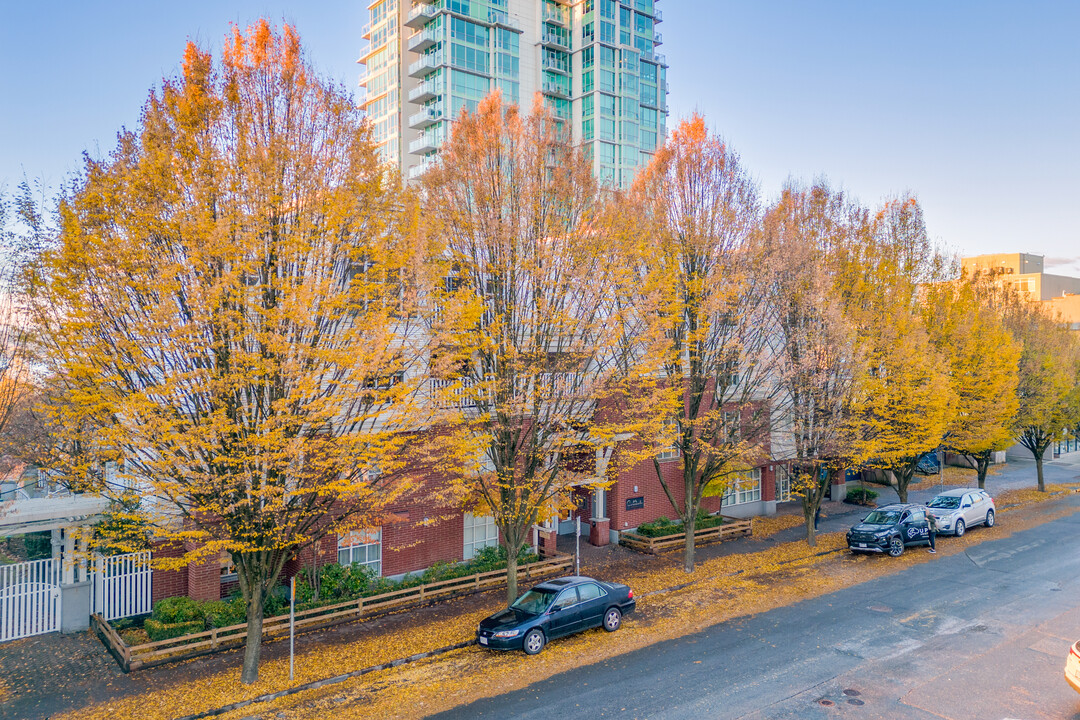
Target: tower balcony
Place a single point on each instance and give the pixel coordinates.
(426, 117)
(554, 40)
(422, 40)
(424, 144)
(423, 92)
(420, 15)
(425, 65)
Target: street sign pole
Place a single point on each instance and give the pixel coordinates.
(292, 624)
(577, 548)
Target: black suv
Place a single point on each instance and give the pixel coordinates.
(890, 529)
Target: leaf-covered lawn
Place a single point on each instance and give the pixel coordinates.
(721, 589)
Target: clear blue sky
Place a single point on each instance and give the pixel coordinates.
(973, 105)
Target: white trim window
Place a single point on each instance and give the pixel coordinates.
(671, 452)
(783, 483)
(480, 532)
(361, 547)
(746, 489)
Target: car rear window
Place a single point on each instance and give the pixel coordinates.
(589, 591)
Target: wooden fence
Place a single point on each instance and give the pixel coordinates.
(134, 657)
(732, 528)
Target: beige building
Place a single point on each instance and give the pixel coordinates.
(1060, 294)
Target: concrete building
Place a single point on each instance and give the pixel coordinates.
(1059, 294)
(594, 62)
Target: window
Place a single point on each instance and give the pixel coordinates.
(589, 591)
(671, 452)
(783, 484)
(745, 489)
(731, 425)
(361, 547)
(228, 569)
(480, 532)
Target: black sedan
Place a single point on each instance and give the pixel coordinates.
(890, 529)
(553, 609)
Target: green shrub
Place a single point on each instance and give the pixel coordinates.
(177, 610)
(223, 613)
(157, 630)
(663, 527)
(38, 545)
(860, 496)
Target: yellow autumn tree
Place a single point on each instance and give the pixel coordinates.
(698, 320)
(968, 329)
(807, 233)
(522, 225)
(227, 305)
(1048, 391)
(904, 401)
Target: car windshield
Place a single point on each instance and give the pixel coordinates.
(882, 517)
(534, 602)
(945, 502)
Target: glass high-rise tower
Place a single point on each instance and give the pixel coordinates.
(594, 62)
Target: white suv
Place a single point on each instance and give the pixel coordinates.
(1072, 667)
(957, 510)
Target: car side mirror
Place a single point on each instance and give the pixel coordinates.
(965, 505)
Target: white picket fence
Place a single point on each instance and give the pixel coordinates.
(122, 585)
(29, 598)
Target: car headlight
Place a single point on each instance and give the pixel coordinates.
(507, 633)
(882, 533)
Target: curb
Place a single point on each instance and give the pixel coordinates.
(413, 658)
(325, 681)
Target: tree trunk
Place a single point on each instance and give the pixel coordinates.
(903, 476)
(511, 575)
(690, 524)
(809, 508)
(253, 646)
(982, 464)
(1039, 469)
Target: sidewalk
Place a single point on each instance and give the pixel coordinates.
(44, 676)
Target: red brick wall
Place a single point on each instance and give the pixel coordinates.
(204, 580)
(168, 583)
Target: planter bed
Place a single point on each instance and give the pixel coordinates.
(731, 528)
(143, 655)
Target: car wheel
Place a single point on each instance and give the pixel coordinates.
(989, 518)
(534, 642)
(960, 528)
(612, 619)
(896, 546)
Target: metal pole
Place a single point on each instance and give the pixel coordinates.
(941, 472)
(292, 624)
(577, 548)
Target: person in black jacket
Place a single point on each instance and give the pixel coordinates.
(931, 524)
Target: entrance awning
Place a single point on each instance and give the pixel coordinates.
(18, 517)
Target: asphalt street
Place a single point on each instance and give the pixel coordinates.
(980, 635)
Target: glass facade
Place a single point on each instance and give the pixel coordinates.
(593, 62)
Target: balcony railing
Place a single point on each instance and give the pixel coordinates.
(555, 15)
(559, 65)
(427, 116)
(420, 15)
(551, 88)
(424, 91)
(424, 144)
(425, 65)
(455, 393)
(425, 38)
(555, 40)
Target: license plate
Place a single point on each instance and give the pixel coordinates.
(862, 544)
(483, 641)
